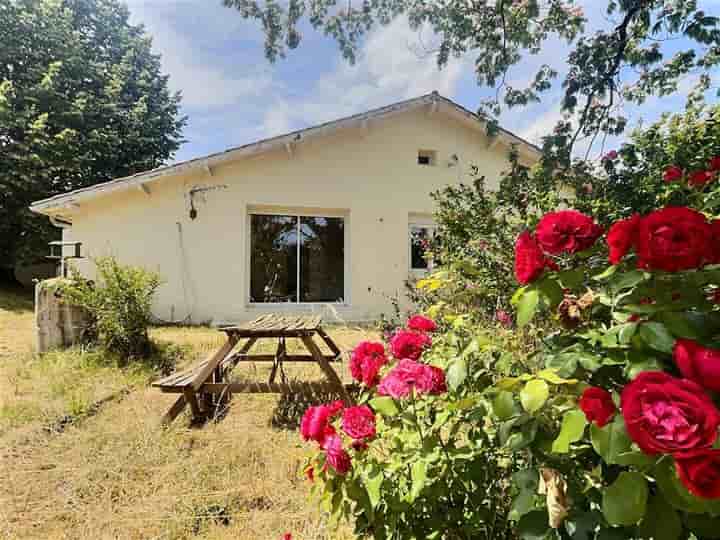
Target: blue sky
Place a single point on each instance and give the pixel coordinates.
(232, 95)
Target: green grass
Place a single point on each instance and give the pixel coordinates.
(83, 455)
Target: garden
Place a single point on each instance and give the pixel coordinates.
(583, 404)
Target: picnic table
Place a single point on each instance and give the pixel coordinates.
(206, 386)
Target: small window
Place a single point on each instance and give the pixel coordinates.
(426, 157)
(420, 238)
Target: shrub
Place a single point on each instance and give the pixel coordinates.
(414, 457)
(477, 227)
(119, 305)
(621, 424)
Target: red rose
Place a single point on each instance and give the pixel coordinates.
(621, 237)
(366, 360)
(698, 363)
(530, 261)
(612, 154)
(310, 474)
(421, 324)
(315, 423)
(359, 422)
(700, 178)
(714, 164)
(407, 344)
(335, 455)
(408, 375)
(699, 471)
(672, 239)
(287, 536)
(672, 174)
(713, 257)
(566, 231)
(665, 415)
(598, 406)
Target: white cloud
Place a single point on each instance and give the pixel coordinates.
(187, 57)
(389, 68)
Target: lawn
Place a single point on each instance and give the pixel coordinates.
(82, 454)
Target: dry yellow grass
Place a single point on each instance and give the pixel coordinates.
(82, 455)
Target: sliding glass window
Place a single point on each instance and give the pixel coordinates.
(297, 259)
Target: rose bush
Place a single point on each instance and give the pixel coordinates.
(413, 458)
(627, 425)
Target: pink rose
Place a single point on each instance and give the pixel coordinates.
(366, 360)
(359, 422)
(335, 455)
(315, 423)
(504, 318)
(407, 344)
(421, 324)
(408, 375)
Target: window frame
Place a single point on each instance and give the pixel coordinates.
(424, 223)
(296, 212)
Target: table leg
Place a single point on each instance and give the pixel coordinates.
(326, 367)
(191, 398)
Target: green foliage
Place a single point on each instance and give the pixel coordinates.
(82, 101)
(431, 471)
(477, 228)
(633, 181)
(119, 305)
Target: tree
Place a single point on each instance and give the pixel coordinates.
(627, 61)
(82, 101)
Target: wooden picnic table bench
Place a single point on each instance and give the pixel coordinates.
(206, 386)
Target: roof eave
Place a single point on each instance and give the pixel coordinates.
(68, 202)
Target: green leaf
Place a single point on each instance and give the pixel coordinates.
(534, 525)
(523, 503)
(456, 373)
(661, 522)
(676, 494)
(608, 272)
(504, 405)
(682, 325)
(657, 336)
(534, 395)
(373, 484)
(384, 405)
(418, 474)
(572, 279)
(611, 440)
(625, 501)
(626, 333)
(572, 429)
(627, 280)
(704, 526)
(527, 306)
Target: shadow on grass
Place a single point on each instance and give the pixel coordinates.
(291, 407)
(15, 298)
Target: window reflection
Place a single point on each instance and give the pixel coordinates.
(275, 253)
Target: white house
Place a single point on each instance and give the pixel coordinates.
(328, 219)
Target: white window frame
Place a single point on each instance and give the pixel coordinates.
(424, 222)
(297, 212)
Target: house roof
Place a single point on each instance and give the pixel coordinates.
(59, 205)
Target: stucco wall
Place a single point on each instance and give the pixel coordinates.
(369, 175)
